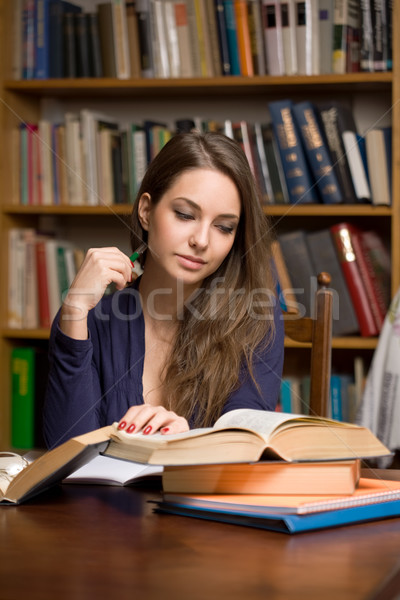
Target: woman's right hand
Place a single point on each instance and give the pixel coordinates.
(100, 267)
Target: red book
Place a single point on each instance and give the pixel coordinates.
(342, 236)
(368, 276)
(43, 294)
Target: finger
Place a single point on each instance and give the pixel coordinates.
(178, 425)
(138, 417)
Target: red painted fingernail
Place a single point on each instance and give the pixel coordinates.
(122, 425)
(131, 428)
(165, 430)
(147, 430)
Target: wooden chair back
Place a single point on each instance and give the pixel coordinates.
(316, 330)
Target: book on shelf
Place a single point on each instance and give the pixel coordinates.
(367, 39)
(145, 28)
(288, 19)
(301, 37)
(29, 368)
(268, 477)
(378, 145)
(379, 258)
(290, 399)
(94, 50)
(371, 284)
(120, 35)
(354, 148)
(104, 470)
(333, 116)
(379, 17)
(183, 34)
(374, 499)
(133, 38)
(300, 186)
(107, 41)
(343, 239)
(209, 68)
(231, 35)
(243, 38)
(57, 43)
(223, 37)
(256, 31)
(274, 176)
(171, 31)
(160, 41)
(242, 435)
(346, 36)
(324, 257)
(286, 295)
(82, 45)
(317, 152)
(335, 397)
(300, 268)
(273, 42)
(325, 31)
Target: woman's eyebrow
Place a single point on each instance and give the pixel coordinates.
(196, 207)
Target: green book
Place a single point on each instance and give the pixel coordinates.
(29, 370)
(23, 398)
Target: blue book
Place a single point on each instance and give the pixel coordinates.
(57, 9)
(231, 32)
(300, 185)
(42, 39)
(289, 523)
(336, 397)
(286, 396)
(222, 37)
(317, 152)
(373, 499)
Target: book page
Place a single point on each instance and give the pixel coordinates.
(104, 469)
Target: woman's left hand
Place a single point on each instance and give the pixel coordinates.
(149, 419)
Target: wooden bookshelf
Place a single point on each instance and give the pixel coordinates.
(23, 100)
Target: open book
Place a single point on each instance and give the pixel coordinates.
(242, 435)
(105, 470)
(247, 435)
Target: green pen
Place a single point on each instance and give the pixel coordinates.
(136, 267)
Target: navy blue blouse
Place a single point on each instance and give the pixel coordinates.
(93, 382)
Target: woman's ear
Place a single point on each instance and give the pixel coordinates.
(144, 210)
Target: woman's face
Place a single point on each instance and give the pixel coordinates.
(192, 228)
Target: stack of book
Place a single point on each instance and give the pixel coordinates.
(200, 38)
(257, 468)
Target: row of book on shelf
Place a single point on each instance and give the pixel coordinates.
(304, 153)
(346, 393)
(360, 267)
(246, 470)
(42, 267)
(200, 38)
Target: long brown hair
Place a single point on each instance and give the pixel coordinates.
(222, 331)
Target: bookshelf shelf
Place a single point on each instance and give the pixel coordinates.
(26, 100)
(201, 85)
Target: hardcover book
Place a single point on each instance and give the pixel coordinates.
(300, 185)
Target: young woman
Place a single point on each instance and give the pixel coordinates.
(199, 332)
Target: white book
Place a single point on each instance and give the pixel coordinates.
(120, 31)
(171, 28)
(160, 45)
(312, 37)
(273, 38)
(356, 165)
(288, 17)
(90, 121)
(301, 39)
(30, 318)
(16, 278)
(184, 43)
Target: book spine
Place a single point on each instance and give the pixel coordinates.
(120, 35)
(256, 33)
(367, 41)
(300, 186)
(325, 35)
(273, 37)
(378, 22)
(288, 18)
(222, 37)
(82, 45)
(95, 62)
(343, 241)
(243, 37)
(329, 118)
(214, 42)
(301, 36)
(42, 63)
(133, 39)
(107, 44)
(43, 293)
(317, 153)
(367, 274)
(231, 31)
(336, 397)
(22, 398)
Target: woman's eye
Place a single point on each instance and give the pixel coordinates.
(183, 216)
(225, 228)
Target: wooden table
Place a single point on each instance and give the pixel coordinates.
(93, 542)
